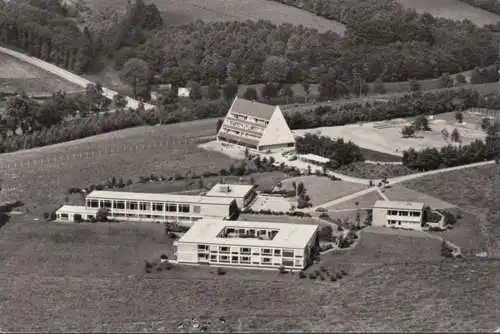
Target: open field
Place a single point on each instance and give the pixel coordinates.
(452, 9)
(364, 201)
(385, 136)
(176, 12)
(400, 193)
(42, 175)
(374, 171)
(322, 189)
(475, 191)
(15, 74)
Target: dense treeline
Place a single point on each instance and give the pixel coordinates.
(338, 151)
(450, 156)
(27, 124)
(405, 106)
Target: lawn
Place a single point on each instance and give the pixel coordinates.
(15, 74)
(364, 202)
(322, 189)
(374, 171)
(401, 193)
(475, 191)
(42, 175)
(176, 12)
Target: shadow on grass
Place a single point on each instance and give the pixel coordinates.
(5, 209)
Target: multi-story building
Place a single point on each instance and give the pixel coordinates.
(398, 214)
(256, 126)
(248, 244)
(244, 194)
(148, 207)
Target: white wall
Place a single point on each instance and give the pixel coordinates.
(277, 131)
(381, 218)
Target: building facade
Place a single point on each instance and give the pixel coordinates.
(70, 212)
(256, 126)
(244, 194)
(248, 244)
(398, 214)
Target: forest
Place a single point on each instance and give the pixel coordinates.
(383, 41)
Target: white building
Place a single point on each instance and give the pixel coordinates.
(68, 213)
(314, 159)
(398, 214)
(147, 207)
(183, 92)
(244, 194)
(248, 244)
(256, 126)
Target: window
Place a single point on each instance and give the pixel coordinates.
(234, 252)
(203, 247)
(224, 249)
(245, 259)
(287, 263)
(119, 205)
(234, 259)
(288, 253)
(223, 258)
(196, 209)
(298, 263)
(245, 250)
(255, 253)
(106, 204)
(183, 207)
(266, 251)
(157, 206)
(298, 256)
(202, 256)
(392, 212)
(403, 213)
(116, 214)
(171, 207)
(255, 262)
(132, 205)
(93, 203)
(184, 218)
(266, 260)
(415, 214)
(277, 252)
(144, 206)
(213, 258)
(64, 215)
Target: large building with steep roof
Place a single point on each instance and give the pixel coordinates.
(256, 126)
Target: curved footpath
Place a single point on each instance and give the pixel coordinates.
(71, 77)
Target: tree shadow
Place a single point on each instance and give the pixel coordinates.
(5, 209)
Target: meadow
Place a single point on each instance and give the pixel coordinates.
(476, 192)
(374, 171)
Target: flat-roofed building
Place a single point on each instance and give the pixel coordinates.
(161, 207)
(314, 159)
(244, 194)
(248, 244)
(256, 126)
(398, 214)
(68, 213)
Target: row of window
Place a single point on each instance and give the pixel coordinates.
(245, 127)
(246, 260)
(249, 119)
(399, 222)
(403, 213)
(248, 251)
(142, 206)
(240, 133)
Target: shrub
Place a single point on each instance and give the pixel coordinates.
(46, 215)
(77, 218)
(221, 271)
(164, 257)
(339, 275)
(312, 276)
(148, 265)
(148, 271)
(343, 272)
(333, 279)
(282, 270)
(302, 274)
(321, 277)
(323, 269)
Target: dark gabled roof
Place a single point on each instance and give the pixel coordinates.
(253, 109)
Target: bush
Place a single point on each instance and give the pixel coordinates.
(282, 270)
(312, 276)
(302, 274)
(333, 279)
(321, 277)
(343, 272)
(46, 215)
(148, 265)
(221, 271)
(338, 275)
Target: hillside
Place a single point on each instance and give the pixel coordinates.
(452, 9)
(177, 12)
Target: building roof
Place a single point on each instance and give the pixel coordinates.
(77, 209)
(289, 235)
(133, 196)
(315, 158)
(252, 108)
(399, 205)
(235, 190)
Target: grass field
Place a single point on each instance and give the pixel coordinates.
(475, 191)
(401, 193)
(452, 9)
(176, 12)
(364, 201)
(374, 171)
(42, 175)
(15, 74)
(323, 190)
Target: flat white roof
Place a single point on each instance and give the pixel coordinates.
(77, 209)
(399, 205)
(235, 190)
(314, 157)
(150, 197)
(205, 231)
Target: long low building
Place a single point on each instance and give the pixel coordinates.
(71, 212)
(398, 214)
(248, 244)
(244, 194)
(150, 207)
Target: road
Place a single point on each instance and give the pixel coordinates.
(71, 77)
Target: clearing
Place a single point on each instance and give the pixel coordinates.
(385, 136)
(176, 12)
(15, 74)
(475, 191)
(452, 9)
(322, 189)
(42, 175)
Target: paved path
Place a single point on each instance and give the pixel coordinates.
(71, 77)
